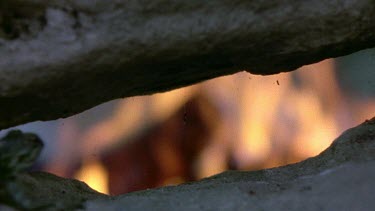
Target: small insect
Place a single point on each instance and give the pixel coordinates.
(277, 81)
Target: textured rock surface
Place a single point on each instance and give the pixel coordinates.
(35, 191)
(61, 57)
(44, 191)
(340, 178)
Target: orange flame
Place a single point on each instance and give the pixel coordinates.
(94, 175)
(268, 120)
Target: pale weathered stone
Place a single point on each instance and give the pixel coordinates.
(61, 57)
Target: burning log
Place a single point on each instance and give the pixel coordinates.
(53, 54)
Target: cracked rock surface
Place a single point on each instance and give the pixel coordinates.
(61, 57)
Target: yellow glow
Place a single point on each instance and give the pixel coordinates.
(94, 175)
(317, 129)
(257, 112)
(212, 162)
(131, 117)
(173, 181)
(317, 126)
(260, 100)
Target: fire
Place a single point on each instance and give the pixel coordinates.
(314, 109)
(258, 111)
(94, 175)
(131, 117)
(265, 121)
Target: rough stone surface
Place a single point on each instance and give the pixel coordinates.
(44, 191)
(61, 57)
(38, 190)
(340, 178)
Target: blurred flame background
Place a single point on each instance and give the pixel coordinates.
(242, 121)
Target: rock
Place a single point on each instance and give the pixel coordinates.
(38, 190)
(59, 57)
(18, 152)
(340, 178)
(44, 191)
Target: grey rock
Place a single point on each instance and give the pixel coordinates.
(37, 190)
(61, 57)
(354, 84)
(44, 191)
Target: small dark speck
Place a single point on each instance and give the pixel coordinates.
(306, 188)
(280, 187)
(251, 192)
(63, 191)
(277, 81)
(370, 121)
